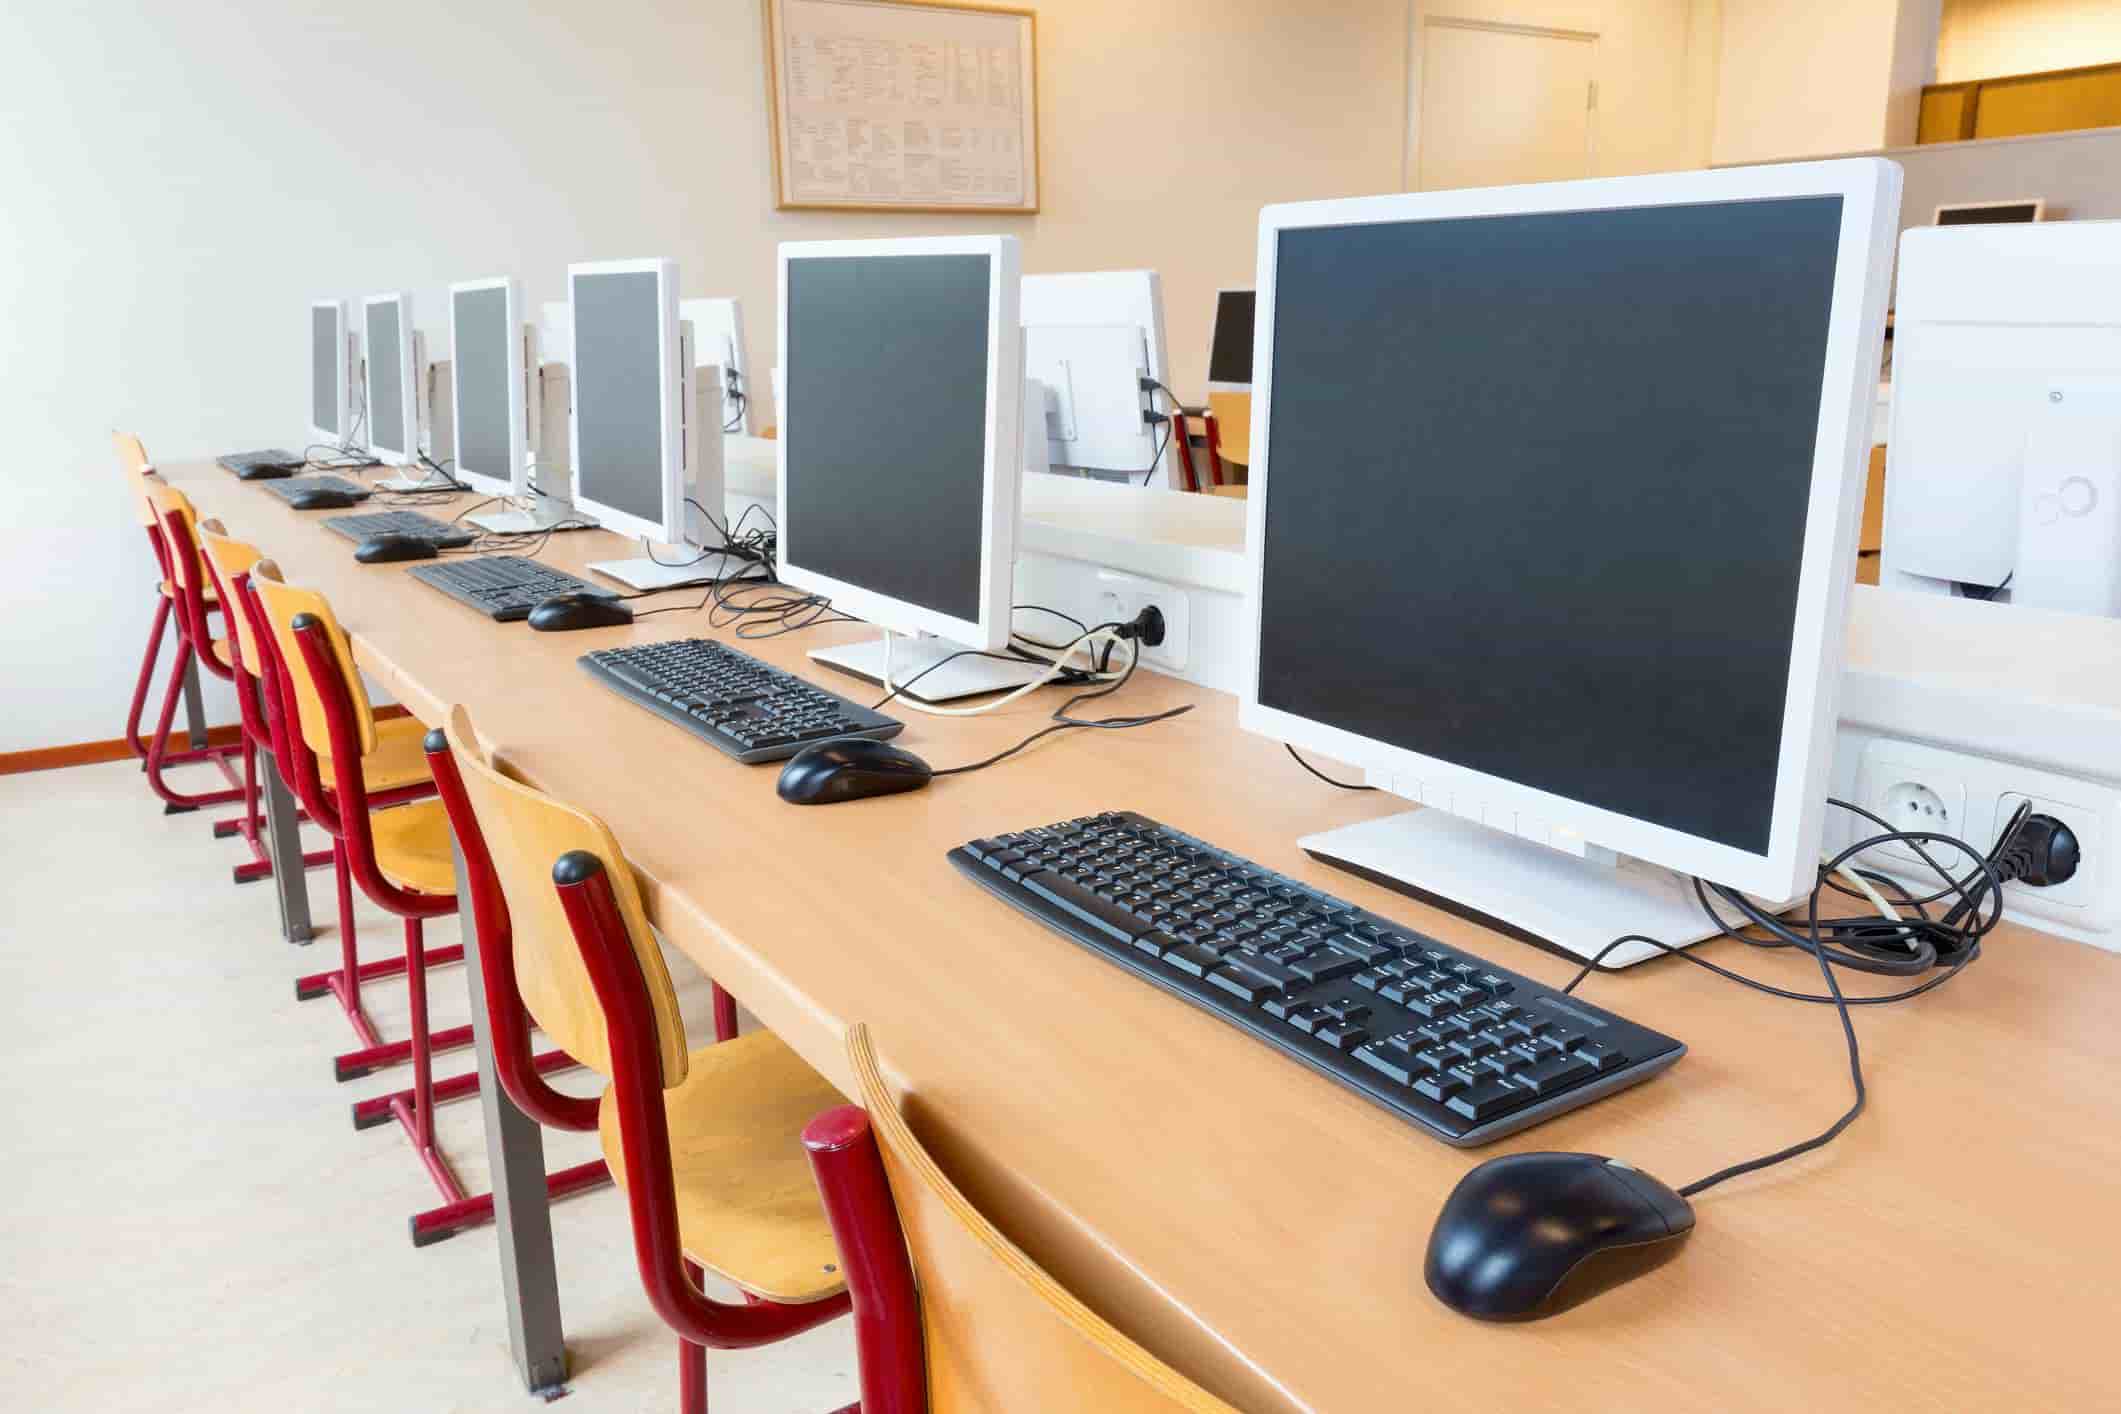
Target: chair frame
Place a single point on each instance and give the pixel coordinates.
(669, 1276)
(177, 556)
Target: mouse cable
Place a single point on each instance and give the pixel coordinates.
(1344, 785)
(1062, 722)
(1983, 885)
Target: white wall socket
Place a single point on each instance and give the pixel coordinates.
(1121, 596)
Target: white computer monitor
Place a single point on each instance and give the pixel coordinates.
(393, 379)
(331, 370)
(1573, 573)
(626, 438)
(903, 387)
(1993, 327)
(1230, 342)
(718, 339)
(488, 393)
(1090, 339)
(1991, 213)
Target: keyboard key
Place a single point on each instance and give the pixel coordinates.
(1438, 1086)
(1393, 1063)
(1192, 959)
(1304, 1016)
(1155, 942)
(1603, 1056)
(1485, 1099)
(1243, 984)
(1327, 965)
(1356, 946)
(1342, 1035)
(1555, 1073)
(1102, 914)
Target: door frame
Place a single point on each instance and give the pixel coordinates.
(1417, 24)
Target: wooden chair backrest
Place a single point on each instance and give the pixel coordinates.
(283, 604)
(179, 520)
(525, 832)
(1233, 426)
(230, 558)
(1000, 1333)
(137, 470)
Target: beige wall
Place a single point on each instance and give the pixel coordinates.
(1985, 39)
(1644, 121)
(183, 179)
(1797, 78)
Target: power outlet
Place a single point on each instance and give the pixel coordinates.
(1121, 596)
(1914, 792)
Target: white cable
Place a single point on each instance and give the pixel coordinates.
(1877, 899)
(1060, 665)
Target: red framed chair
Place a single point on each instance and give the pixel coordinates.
(399, 853)
(705, 1143)
(184, 585)
(998, 1332)
(226, 561)
(139, 475)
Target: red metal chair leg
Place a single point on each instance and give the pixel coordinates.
(376, 1110)
(147, 677)
(174, 801)
(423, 1060)
(724, 1015)
(865, 1225)
(352, 1065)
(477, 1210)
(316, 984)
(692, 1359)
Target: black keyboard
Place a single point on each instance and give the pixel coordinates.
(502, 587)
(259, 466)
(1466, 1050)
(294, 486)
(361, 527)
(723, 695)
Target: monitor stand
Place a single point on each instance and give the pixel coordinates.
(969, 676)
(1571, 905)
(646, 575)
(543, 514)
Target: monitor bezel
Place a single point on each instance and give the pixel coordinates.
(1002, 453)
(518, 480)
(408, 381)
(1215, 328)
(342, 366)
(1870, 191)
(670, 530)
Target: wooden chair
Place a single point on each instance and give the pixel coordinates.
(139, 476)
(949, 1315)
(344, 768)
(1230, 432)
(228, 561)
(705, 1143)
(184, 587)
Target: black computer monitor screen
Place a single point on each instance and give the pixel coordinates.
(885, 375)
(386, 380)
(1538, 493)
(618, 397)
(324, 369)
(1230, 356)
(480, 348)
(2006, 213)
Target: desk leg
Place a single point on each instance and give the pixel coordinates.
(194, 706)
(283, 841)
(515, 1155)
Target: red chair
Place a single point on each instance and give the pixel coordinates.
(996, 1332)
(184, 587)
(705, 1143)
(399, 854)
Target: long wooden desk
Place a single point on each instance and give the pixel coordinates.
(1251, 1223)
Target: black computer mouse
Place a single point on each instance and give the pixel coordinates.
(269, 471)
(1530, 1235)
(388, 549)
(563, 612)
(850, 768)
(321, 498)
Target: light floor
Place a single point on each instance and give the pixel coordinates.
(190, 1220)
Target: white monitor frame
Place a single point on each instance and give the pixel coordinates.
(2037, 203)
(342, 374)
(1870, 190)
(1133, 297)
(1215, 329)
(718, 339)
(408, 379)
(671, 380)
(1002, 450)
(517, 482)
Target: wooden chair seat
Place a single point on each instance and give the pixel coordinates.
(412, 846)
(747, 1205)
(213, 595)
(398, 760)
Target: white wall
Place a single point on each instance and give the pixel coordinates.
(182, 179)
(1985, 39)
(1645, 121)
(1798, 77)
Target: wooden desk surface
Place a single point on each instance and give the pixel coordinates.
(1253, 1224)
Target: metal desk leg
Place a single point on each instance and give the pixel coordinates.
(283, 841)
(515, 1154)
(194, 706)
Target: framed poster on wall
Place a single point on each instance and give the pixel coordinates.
(902, 105)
